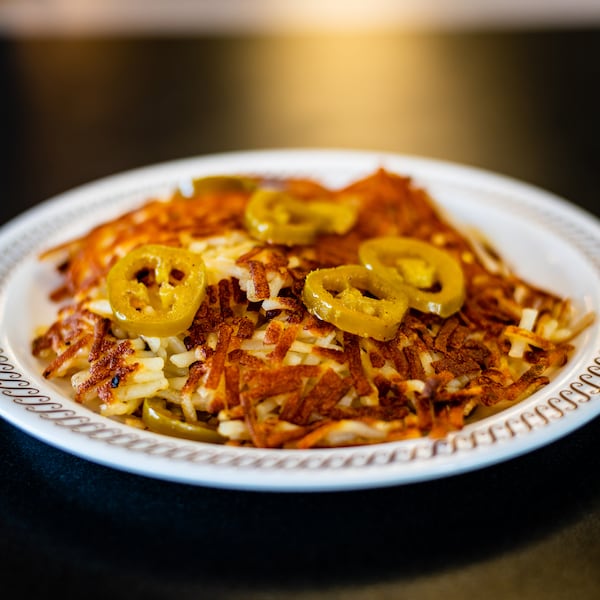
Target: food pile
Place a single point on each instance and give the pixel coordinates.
(284, 314)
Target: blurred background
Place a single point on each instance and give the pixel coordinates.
(92, 87)
(262, 16)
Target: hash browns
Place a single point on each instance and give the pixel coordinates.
(257, 368)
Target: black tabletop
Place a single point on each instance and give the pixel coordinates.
(522, 103)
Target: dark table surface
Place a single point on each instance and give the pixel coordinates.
(523, 103)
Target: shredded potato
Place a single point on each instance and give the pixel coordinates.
(258, 369)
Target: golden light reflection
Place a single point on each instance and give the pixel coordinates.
(428, 95)
(401, 93)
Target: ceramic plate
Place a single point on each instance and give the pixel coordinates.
(547, 240)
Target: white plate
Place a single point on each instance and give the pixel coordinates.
(547, 240)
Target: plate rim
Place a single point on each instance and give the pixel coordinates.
(39, 411)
